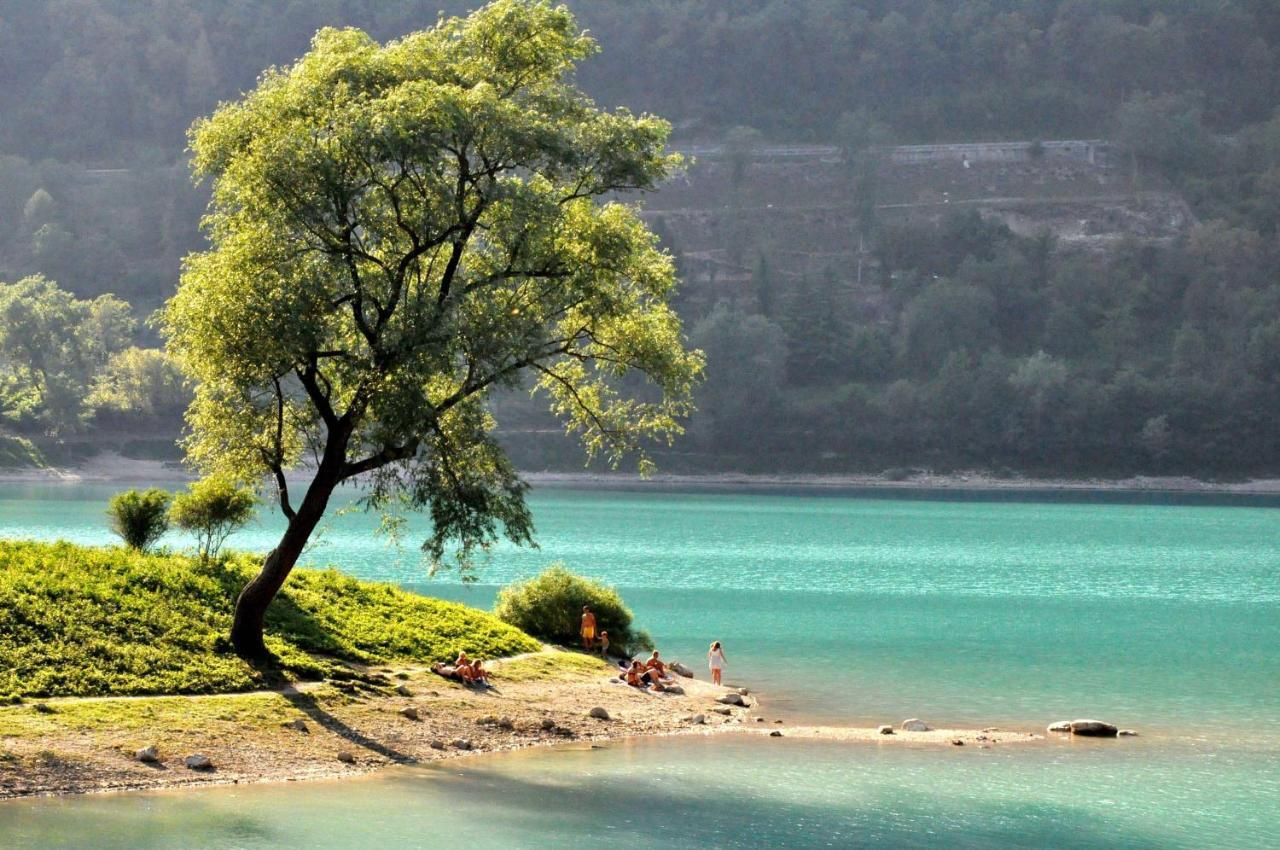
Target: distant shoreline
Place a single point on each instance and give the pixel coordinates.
(111, 467)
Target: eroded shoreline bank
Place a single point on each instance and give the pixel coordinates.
(113, 468)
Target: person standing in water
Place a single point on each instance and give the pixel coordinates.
(588, 628)
(716, 660)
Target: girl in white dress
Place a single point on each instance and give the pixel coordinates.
(716, 660)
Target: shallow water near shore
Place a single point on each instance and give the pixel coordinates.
(722, 792)
(1162, 615)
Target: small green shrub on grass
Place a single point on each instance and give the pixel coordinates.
(77, 621)
(212, 509)
(139, 517)
(549, 606)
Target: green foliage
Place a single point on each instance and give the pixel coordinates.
(93, 622)
(139, 517)
(549, 606)
(397, 230)
(139, 382)
(212, 509)
(51, 346)
(20, 453)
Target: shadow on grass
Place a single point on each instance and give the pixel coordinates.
(310, 706)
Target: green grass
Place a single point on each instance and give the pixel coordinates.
(77, 621)
(551, 666)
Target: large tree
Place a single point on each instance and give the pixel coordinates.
(398, 231)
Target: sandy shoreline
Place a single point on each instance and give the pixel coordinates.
(323, 731)
(112, 467)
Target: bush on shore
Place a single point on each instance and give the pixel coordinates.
(139, 517)
(80, 621)
(212, 509)
(549, 606)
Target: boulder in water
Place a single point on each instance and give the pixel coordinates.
(915, 725)
(1127, 733)
(731, 699)
(1060, 726)
(1093, 729)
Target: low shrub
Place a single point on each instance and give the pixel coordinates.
(212, 509)
(549, 606)
(139, 517)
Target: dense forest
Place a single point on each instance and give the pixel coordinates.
(987, 348)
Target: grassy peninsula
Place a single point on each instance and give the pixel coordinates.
(80, 621)
(107, 654)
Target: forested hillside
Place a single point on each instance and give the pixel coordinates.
(857, 312)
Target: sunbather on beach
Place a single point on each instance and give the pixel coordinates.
(655, 663)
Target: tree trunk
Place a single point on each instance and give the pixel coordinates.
(251, 604)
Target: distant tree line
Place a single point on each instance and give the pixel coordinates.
(988, 349)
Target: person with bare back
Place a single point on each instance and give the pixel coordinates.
(588, 628)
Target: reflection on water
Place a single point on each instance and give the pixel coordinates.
(709, 793)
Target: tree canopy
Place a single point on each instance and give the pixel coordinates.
(396, 231)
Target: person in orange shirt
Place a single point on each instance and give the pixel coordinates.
(588, 628)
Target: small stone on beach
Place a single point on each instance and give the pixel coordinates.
(297, 725)
(598, 713)
(198, 762)
(346, 757)
(461, 744)
(409, 713)
(403, 690)
(885, 730)
(915, 725)
(775, 734)
(147, 755)
(698, 719)
(1127, 733)
(437, 745)
(731, 699)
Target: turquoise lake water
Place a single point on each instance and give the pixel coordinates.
(1160, 615)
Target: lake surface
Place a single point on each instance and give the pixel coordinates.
(1160, 615)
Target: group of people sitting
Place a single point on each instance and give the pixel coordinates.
(651, 674)
(464, 670)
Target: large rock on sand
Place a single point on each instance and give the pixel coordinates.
(915, 725)
(1093, 728)
(731, 699)
(198, 762)
(1060, 726)
(599, 713)
(680, 669)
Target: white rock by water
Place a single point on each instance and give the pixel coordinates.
(915, 725)
(1093, 728)
(680, 669)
